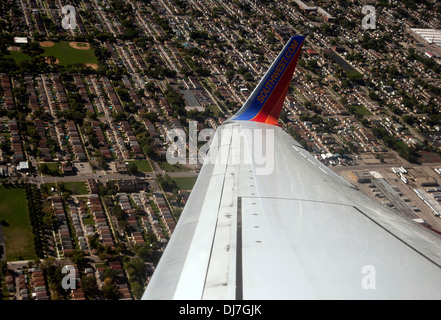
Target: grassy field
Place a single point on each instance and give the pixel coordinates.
(185, 183)
(75, 187)
(54, 166)
(174, 167)
(215, 109)
(142, 165)
(18, 234)
(67, 55)
(89, 220)
(360, 110)
(18, 56)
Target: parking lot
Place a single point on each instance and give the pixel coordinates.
(405, 194)
(83, 168)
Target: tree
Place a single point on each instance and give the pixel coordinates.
(44, 168)
(132, 168)
(374, 96)
(137, 289)
(3, 266)
(91, 115)
(78, 258)
(48, 215)
(144, 251)
(88, 285)
(136, 269)
(119, 212)
(409, 119)
(110, 291)
(123, 224)
(60, 186)
(248, 76)
(166, 182)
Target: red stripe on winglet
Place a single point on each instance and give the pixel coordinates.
(273, 106)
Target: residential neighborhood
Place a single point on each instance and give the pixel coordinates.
(86, 116)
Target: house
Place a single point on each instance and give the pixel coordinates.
(93, 186)
(67, 168)
(141, 184)
(121, 167)
(126, 185)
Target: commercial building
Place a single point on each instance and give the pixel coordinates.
(428, 35)
(362, 176)
(23, 166)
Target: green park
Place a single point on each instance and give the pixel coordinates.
(17, 229)
(64, 53)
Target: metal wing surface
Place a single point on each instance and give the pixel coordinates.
(298, 231)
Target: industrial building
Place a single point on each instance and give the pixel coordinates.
(423, 176)
(429, 35)
(362, 176)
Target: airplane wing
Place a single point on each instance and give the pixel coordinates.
(267, 220)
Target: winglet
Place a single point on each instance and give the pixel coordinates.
(266, 101)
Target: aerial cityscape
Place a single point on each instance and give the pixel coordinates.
(91, 92)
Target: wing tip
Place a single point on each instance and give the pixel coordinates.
(266, 101)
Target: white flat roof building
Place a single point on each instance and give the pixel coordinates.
(430, 35)
(20, 40)
(23, 165)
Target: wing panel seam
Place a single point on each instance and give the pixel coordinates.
(398, 238)
(239, 275)
(217, 220)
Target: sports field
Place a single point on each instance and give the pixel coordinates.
(18, 231)
(65, 52)
(68, 54)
